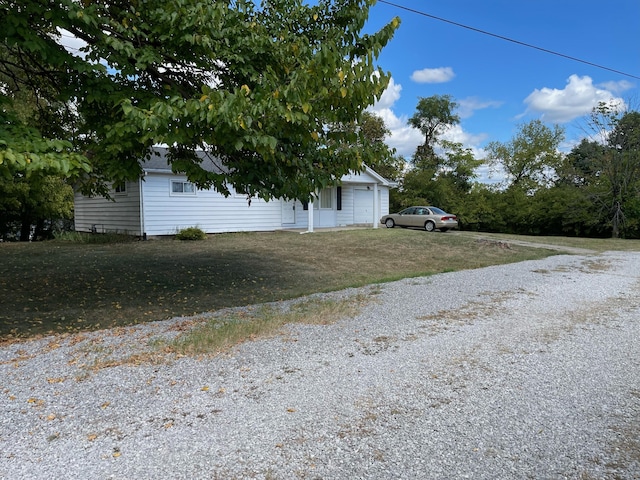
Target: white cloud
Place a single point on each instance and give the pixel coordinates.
(577, 99)
(468, 140)
(467, 106)
(403, 138)
(389, 96)
(617, 87)
(433, 75)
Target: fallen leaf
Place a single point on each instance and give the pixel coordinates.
(92, 437)
(37, 402)
(105, 405)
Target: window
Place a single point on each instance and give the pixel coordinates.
(180, 187)
(120, 187)
(326, 198)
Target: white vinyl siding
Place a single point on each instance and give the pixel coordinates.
(101, 215)
(165, 214)
(165, 211)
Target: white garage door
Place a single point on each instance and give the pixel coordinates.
(362, 206)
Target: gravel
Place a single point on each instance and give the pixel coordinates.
(529, 370)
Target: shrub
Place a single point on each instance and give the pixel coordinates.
(191, 233)
(91, 238)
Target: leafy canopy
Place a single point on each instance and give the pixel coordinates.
(255, 86)
(531, 158)
(433, 116)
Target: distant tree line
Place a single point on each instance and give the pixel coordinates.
(593, 191)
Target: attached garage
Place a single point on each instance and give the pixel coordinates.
(363, 206)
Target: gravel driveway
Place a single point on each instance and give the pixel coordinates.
(530, 370)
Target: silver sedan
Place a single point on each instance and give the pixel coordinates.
(429, 218)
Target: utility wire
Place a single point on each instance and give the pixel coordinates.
(484, 32)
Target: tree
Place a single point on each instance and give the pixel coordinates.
(459, 165)
(440, 177)
(253, 86)
(432, 117)
(580, 166)
(35, 202)
(531, 157)
(615, 168)
(370, 133)
(34, 168)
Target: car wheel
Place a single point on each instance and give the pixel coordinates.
(429, 226)
(390, 223)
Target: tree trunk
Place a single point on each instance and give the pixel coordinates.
(39, 232)
(615, 222)
(25, 229)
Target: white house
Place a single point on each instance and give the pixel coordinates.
(162, 203)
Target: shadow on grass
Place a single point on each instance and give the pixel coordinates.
(56, 287)
(74, 288)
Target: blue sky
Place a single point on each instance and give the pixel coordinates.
(499, 84)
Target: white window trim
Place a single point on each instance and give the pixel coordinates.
(181, 194)
(123, 192)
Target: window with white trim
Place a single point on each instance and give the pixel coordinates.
(182, 187)
(120, 188)
(326, 198)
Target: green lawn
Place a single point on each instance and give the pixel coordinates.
(65, 287)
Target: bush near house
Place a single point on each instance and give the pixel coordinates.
(191, 233)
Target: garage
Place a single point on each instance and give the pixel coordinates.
(363, 206)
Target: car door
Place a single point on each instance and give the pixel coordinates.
(418, 217)
(405, 218)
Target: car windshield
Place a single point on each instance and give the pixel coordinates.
(437, 211)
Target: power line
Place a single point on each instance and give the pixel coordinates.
(484, 32)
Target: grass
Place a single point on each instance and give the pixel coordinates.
(63, 286)
(595, 244)
(221, 333)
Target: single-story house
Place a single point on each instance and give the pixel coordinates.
(162, 203)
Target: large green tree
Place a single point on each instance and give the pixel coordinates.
(442, 172)
(609, 167)
(34, 168)
(31, 206)
(530, 159)
(433, 116)
(255, 86)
